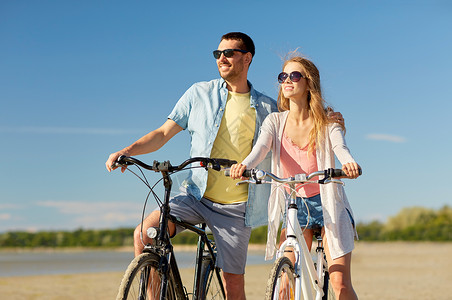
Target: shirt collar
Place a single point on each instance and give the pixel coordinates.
(253, 95)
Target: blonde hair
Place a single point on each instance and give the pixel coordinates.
(316, 104)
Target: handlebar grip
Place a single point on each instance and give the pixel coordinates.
(225, 162)
(337, 173)
(128, 161)
(340, 173)
(121, 161)
(246, 173)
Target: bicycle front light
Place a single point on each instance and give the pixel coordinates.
(152, 232)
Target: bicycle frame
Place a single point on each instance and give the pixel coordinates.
(202, 243)
(306, 276)
(165, 248)
(162, 244)
(170, 263)
(304, 264)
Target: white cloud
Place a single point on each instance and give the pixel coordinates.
(85, 207)
(68, 130)
(5, 217)
(4, 206)
(386, 137)
(97, 214)
(110, 218)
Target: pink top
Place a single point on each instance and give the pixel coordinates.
(296, 160)
(339, 231)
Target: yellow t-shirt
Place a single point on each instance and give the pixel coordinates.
(234, 141)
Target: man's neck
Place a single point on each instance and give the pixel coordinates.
(238, 87)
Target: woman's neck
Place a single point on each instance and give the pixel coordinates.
(299, 110)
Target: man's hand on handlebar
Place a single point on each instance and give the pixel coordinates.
(111, 161)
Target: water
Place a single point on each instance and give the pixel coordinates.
(49, 263)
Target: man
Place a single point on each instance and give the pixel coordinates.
(223, 117)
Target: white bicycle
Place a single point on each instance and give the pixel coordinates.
(308, 278)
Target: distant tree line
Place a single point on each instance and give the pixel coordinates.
(410, 224)
(77, 238)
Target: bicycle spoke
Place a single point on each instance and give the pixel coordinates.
(211, 287)
(281, 284)
(142, 280)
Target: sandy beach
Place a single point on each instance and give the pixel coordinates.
(398, 270)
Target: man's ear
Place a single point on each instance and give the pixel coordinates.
(248, 57)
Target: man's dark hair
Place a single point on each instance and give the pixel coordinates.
(247, 42)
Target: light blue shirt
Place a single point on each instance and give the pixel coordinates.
(200, 111)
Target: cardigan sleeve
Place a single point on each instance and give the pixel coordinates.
(263, 144)
(338, 144)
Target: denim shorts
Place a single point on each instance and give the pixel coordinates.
(315, 218)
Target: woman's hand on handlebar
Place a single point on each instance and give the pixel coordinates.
(111, 161)
(352, 170)
(237, 171)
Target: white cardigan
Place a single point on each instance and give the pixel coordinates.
(339, 230)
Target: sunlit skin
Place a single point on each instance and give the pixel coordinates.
(234, 70)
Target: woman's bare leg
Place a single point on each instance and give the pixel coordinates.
(340, 274)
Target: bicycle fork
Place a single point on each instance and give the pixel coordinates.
(304, 265)
(198, 265)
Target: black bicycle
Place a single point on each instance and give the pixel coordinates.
(154, 274)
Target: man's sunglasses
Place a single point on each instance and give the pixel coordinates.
(226, 52)
(295, 76)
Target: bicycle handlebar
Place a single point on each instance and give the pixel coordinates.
(259, 175)
(206, 162)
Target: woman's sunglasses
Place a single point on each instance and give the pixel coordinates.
(226, 52)
(295, 76)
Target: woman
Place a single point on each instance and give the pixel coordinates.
(304, 140)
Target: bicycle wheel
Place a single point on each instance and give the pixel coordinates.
(281, 283)
(142, 280)
(211, 286)
(328, 293)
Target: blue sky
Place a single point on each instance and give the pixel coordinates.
(82, 79)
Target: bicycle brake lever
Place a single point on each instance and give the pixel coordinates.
(245, 181)
(338, 181)
(253, 181)
(333, 181)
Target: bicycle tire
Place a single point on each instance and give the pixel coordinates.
(211, 286)
(282, 268)
(132, 286)
(328, 292)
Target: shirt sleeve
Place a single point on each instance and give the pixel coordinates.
(263, 144)
(181, 110)
(338, 144)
